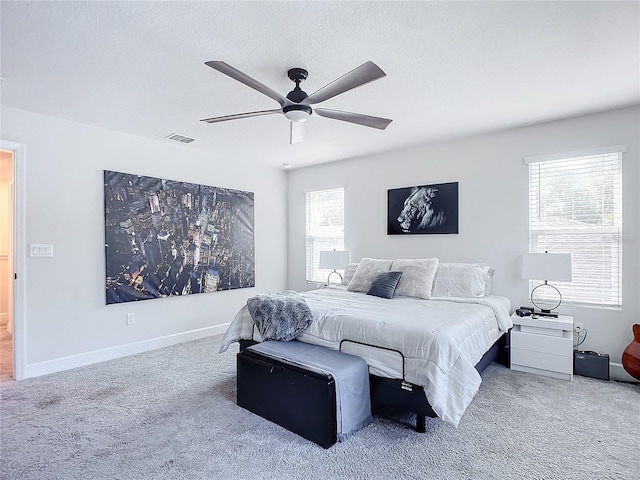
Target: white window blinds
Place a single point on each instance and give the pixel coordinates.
(575, 206)
(325, 228)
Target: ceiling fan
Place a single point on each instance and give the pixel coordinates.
(296, 106)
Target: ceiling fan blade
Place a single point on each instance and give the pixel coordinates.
(360, 119)
(365, 73)
(236, 74)
(241, 115)
(297, 132)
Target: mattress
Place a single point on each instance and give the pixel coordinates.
(432, 343)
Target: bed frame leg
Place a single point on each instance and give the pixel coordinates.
(421, 423)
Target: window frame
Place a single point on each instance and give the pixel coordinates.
(606, 291)
(321, 240)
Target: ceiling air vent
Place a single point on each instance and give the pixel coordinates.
(180, 138)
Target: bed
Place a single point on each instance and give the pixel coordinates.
(423, 354)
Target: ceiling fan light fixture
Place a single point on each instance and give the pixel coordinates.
(297, 113)
(296, 105)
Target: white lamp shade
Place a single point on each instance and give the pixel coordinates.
(334, 259)
(547, 266)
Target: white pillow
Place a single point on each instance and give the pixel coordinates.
(367, 269)
(349, 270)
(462, 280)
(417, 276)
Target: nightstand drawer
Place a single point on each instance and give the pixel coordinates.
(542, 343)
(544, 361)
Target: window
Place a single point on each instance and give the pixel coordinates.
(575, 206)
(325, 228)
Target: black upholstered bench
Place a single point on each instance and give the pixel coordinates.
(293, 384)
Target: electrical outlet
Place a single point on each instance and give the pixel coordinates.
(131, 318)
(577, 328)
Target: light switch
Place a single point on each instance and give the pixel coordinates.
(41, 250)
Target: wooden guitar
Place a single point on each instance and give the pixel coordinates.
(631, 355)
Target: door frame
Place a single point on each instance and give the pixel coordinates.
(18, 256)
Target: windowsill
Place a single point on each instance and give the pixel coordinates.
(614, 308)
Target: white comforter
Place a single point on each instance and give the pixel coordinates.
(441, 339)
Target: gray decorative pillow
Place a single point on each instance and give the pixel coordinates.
(367, 269)
(417, 276)
(384, 284)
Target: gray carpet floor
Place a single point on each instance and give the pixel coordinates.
(171, 414)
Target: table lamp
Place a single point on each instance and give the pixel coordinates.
(546, 266)
(334, 259)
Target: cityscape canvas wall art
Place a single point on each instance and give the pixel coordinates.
(165, 238)
(423, 210)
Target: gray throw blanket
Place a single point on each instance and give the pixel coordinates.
(280, 316)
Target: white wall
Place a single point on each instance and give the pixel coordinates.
(493, 196)
(67, 321)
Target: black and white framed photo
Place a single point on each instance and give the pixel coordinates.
(166, 238)
(424, 209)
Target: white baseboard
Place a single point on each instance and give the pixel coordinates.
(617, 372)
(111, 353)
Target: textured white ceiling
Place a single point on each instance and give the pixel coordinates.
(453, 68)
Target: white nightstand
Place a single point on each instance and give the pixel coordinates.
(543, 345)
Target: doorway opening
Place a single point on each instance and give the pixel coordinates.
(6, 266)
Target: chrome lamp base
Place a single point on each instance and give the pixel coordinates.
(329, 277)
